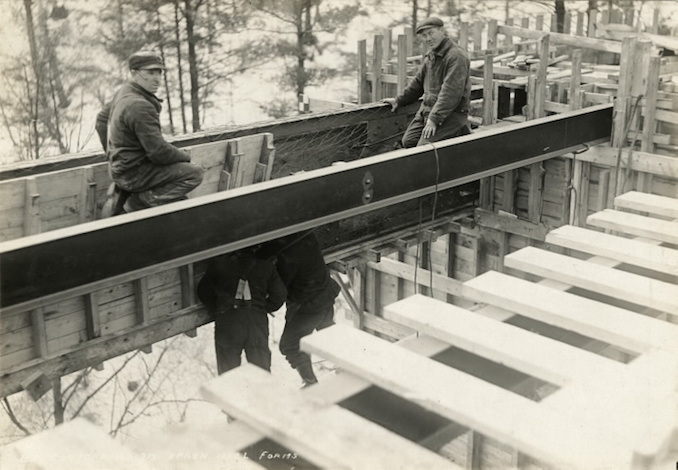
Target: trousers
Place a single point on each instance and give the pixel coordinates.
(301, 321)
(154, 185)
(455, 125)
(241, 330)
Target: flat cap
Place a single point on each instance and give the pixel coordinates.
(145, 60)
(430, 22)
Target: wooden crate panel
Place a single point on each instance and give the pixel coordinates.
(118, 324)
(12, 194)
(66, 342)
(17, 358)
(16, 340)
(14, 321)
(65, 325)
(59, 184)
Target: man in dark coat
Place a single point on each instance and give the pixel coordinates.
(443, 80)
(310, 295)
(146, 170)
(240, 289)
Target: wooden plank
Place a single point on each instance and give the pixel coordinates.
(406, 271)
(661, 165)
(633, 403)
(402, 63)
(634, 224)
(556, 362)
(650, 203)
(637, 253)
(604, 280)
(535, 194)
(472, 402)
(73, 444)
(250, 394)
(564, 39)
(590, 318)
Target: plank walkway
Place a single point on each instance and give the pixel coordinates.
(603, 413)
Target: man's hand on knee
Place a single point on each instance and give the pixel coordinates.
(429, 129)
(392, 102)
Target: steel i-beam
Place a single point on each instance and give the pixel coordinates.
(84, 255)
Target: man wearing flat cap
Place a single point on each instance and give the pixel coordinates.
(147, 171)
(443, 81)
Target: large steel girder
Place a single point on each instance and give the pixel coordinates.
(87, 254)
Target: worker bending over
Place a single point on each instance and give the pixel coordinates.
(147, 171)
(310, 295)
(443, 80)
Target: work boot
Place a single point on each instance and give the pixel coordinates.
(306, 372)
(115, 199)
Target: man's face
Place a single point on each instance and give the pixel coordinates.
(148, 79)
(432, 37)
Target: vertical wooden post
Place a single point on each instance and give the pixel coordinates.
(402, 63)
(476, 246)
(410, 40)
(87, 197)
(363, 88)
(622, 105)
(463, 35)
(492, 43)
(540, 90)
(39, 331)
(567, 27)
(508, 39)
(451, 246)
(143, 310)
(575, 80)
(478, 35)
(388, 45)
(531, 97)
(649, 122)
(583, 206)
(654, 27)
(372, 286)
(31, 207)
(603, 189)
(593, 23)
(358, 283)
(539, 23)
(377, 60)
(474, 446)
(580, 23)
(187, 279)
(509, 191)
(535, 194)
(489, 117)
(92, 320)
(553, 27)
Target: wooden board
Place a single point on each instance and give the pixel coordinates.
(590, 318)
(604, 280)
(633, 252)
(650, 203)
(467, 400)
(514, 347)
(74, 444)
(638, 225)
(324, 434)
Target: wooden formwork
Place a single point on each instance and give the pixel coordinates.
(58, 199)
(575, 368)
(137, 308)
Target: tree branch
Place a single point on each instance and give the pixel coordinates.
(12, 416)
